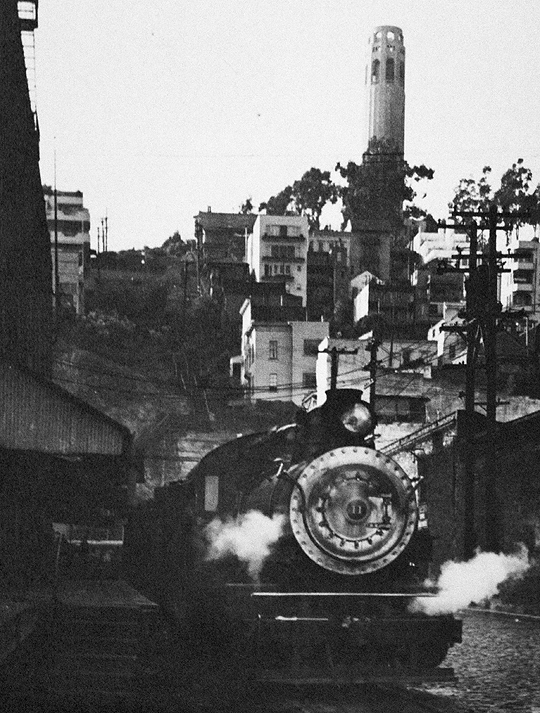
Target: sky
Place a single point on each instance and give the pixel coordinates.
(156, 111)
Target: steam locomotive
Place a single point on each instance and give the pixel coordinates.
(330, 596)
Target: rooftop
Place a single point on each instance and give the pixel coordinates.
(229, 221)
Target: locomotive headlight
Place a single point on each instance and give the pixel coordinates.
(358, 419)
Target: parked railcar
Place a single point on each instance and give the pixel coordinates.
(326, 597)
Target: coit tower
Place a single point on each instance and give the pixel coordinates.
(385, 87)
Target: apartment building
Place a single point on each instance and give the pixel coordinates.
(279, 355)
(520, 286)
(394, 303)
(222, 236)
(435, 289)
(277, 252)
(69, 227)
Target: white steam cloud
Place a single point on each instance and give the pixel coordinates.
(462, 583)
(250, 538)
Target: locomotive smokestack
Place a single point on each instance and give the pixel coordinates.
(478, 579)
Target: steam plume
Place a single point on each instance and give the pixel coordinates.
(250, 538)
(462, 583)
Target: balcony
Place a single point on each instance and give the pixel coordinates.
(28, 15)
(283, 238)
(523, 300)
(519, 286)
(278, 277)
(283, 260)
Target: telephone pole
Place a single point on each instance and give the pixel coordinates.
(373, 347)
(335, 353)
(482, 316)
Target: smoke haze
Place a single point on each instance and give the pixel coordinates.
(250, 538)
(462, 583)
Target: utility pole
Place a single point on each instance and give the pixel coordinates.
(334, 362)
(482, 316)
(198, 252)
(372, 347)
(56, 266)
(490, 347)
(473, 336)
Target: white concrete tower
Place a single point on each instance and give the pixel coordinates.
(385, 86)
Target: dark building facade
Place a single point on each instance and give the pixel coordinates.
(223, 235)
(26, 308)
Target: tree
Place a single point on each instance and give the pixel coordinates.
(279, 204)
(471, 195)
(311, 193)
(247, 206)
(514, 195)
(174, 245)
(307, 196)
(381, 187)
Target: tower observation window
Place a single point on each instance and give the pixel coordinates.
(390, 69)
(375, 70)
(402, 71)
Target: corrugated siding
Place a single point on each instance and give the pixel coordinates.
(41, 417)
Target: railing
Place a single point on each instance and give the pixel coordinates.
(423, 432)
(283, 258)
(267, 236)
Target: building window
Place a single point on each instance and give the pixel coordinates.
(273, 349)
(311, 347)
(309, 380)
(390, 70)
(272, 384)
(402, 71)
(375, 70)
(522, 299)
(282, 231)
(524, 277)
(282, 251)
(267, 270)
(452, 351)
(406, 357)
(287, 269)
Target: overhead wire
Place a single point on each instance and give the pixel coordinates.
(288, 387)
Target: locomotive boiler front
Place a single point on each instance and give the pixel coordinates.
(353, 510)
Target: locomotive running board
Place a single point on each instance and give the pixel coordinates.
(331, 673)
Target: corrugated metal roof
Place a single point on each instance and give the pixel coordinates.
(37, 415)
